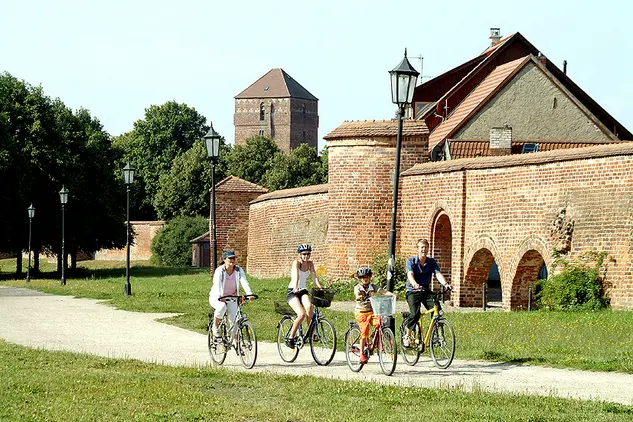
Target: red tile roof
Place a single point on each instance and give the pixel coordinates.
(471, 149)
(235, 184)
(294, 192)
(276, 84)
(377, 128)
(477, 98)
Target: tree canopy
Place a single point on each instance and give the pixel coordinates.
(165, 132)
(44, 145)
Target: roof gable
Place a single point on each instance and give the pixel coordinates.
(276, 84)
(477, 98)
(235, 184)
(508, 49)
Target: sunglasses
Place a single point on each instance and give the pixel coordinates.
(306, 254)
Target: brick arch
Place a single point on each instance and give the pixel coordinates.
(442, 243)
(478, 262)
(527, 262)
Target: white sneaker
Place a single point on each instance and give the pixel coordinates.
(215, 331)
(405, 341)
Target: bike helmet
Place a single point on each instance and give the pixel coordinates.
(304, 247)
(363, 272)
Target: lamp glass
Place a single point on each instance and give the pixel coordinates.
(212, 142)
(31, 210)
(128, 173)
(63, 195)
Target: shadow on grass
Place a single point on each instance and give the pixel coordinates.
(104, 273)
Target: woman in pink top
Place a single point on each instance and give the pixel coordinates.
(227, 280)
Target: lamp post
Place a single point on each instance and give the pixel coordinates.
(212, 141)
(128, 177)
(31, 211)
(403, 79)
(63, 198)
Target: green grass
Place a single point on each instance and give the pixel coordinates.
(56, 386)
(598, 341)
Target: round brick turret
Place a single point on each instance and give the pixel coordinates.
(361, 158)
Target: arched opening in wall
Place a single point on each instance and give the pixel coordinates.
(262, 111)
(470, 293)
(442, 246)
(495, 294)
(529, 270)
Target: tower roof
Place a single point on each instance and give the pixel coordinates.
(276, 84)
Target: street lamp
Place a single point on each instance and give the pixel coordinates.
(403, 79)
(128, 177)
(31, 211)
(63, 198)
(212, 141)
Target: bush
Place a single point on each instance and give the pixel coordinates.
(379, 268)
(171, 247)
(579, 286)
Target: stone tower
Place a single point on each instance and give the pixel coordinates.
(278, 107)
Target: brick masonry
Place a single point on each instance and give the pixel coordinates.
(282, 220)
(144, 232)
(290, 122)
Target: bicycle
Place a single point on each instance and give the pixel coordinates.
(381, 339)
(440, 336)
(321, 333)
(241, 336)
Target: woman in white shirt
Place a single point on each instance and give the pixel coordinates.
(227, 280)
(297, 295)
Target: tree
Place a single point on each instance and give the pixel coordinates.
(184, 190)
(301, 167)
(171, 247)
(44, 146)
(252, 161)
(164, 133)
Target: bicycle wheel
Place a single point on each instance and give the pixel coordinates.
(247, 344)
(352, 348)
(217, 345)
(442, 344)
(387, 351)
(323, 342)
(410, 353)
(286, 353)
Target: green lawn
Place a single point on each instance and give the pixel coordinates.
(599, 341)
(60, 386)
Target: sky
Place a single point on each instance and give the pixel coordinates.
(116, 58)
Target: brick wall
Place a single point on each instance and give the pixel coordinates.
(361, 197)
(282, 220)
(285, 120)
(144, 232)
(502, 209)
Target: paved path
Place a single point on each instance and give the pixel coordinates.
(35, 319)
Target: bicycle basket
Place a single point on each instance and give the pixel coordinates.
(322, 298)
(283, 308)
(383, 305)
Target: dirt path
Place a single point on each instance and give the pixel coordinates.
(45, 321)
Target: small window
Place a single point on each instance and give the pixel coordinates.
(262, 111)
(303, 109)
(261, 133)
(529, 147)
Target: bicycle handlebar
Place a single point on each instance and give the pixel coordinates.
(238, 297)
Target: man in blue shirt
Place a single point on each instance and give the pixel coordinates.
(420, 270)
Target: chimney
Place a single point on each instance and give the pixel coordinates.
(495, 36)
(501, 140)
